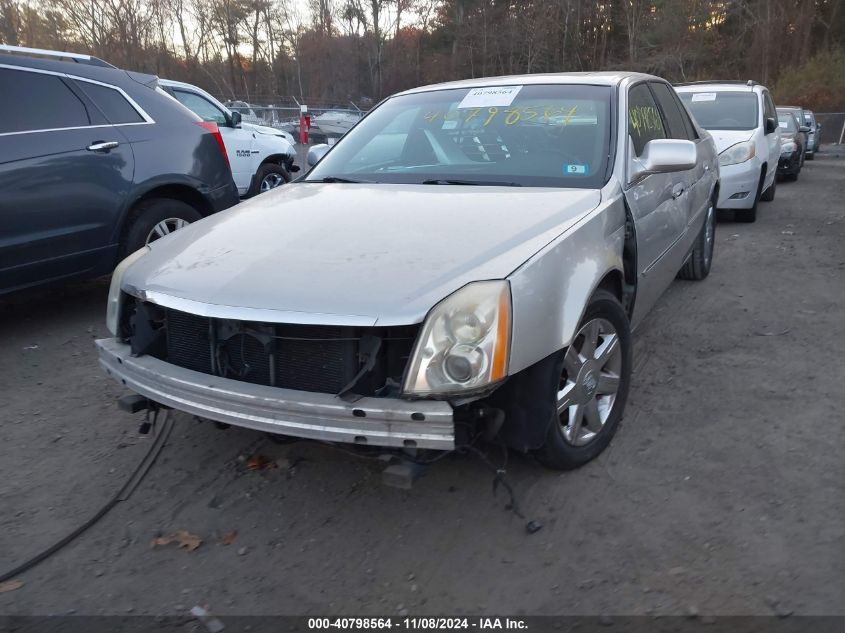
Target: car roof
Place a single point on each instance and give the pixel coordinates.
(105, 74)
(604, 78)
(722, 86)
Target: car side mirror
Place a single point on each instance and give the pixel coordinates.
(236, 118)
(803, 128)
(662, 156)
(316, 153)
(771, 125)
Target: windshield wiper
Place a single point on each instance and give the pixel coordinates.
(338, 179)
(488, 183)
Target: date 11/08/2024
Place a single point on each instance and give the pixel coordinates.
(422, 623)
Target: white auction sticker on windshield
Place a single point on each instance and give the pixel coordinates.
(704, 96)
(489, 97)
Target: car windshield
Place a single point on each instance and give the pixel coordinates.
(533, 136)
(723, 110)
(787, 122)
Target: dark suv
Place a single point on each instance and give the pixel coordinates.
(94, 163)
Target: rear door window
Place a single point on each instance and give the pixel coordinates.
(644, 121)
(38, 101)
(672, 111)
(111, 102)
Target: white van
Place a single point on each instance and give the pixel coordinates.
(741, 117)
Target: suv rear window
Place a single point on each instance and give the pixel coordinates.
(728, 110)
(37, 101)
(112, 104)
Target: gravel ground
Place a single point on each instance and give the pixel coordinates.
(721, 494)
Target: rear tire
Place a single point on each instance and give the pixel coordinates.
(591, 381)
(697, 267)
(154, 218)
(811, 156)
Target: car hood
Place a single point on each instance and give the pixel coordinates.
(725, 138)
(352, 254)
(261, 129)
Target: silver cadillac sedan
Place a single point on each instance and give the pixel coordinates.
(468, 261)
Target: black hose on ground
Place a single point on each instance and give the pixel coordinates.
(122, 494)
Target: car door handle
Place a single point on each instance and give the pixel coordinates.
(677, 191)
(102, 146)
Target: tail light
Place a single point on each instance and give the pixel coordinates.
(211, 126)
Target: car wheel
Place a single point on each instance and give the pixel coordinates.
(153, 219)
(793, 177)
(593, 376)
(697, 267)
(750, 215)
(811, 156)
(269, 176)
(769, 194)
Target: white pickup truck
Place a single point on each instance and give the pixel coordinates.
(261, 157)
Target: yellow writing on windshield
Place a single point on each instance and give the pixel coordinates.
(551, 114)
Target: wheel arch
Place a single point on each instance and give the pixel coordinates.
(174, 191)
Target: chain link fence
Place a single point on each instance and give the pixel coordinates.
(328, 121)
(833, 126)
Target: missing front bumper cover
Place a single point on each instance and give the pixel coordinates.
(319, 416)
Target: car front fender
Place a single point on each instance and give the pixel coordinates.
(551, 290)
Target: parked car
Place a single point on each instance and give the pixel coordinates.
(262, 158)
(95, 162)
(803, 129)
(815, 133)
(471, 256)
(741, 117)
(792, 145)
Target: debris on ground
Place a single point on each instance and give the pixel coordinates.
(229, 537)
(260, 462)
(212, 624)
(10, 585)
(183, 538)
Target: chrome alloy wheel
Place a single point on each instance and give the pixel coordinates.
(709, 232)
(589, 382)
(271, 181)
(165, 227)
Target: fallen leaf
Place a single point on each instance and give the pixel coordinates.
(183, 538)
(10, 585)
(260, 462)
(229, 537)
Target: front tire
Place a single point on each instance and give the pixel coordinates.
(750, 215)
(594, 374)
(697, 267)
(769, 194)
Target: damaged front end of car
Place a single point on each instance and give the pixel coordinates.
(420, 386)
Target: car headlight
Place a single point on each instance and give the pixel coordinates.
(113, 307)
(788, 148)
(738, 153)
(464, 343)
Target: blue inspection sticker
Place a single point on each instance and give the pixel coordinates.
(575, 170)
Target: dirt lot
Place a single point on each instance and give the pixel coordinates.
(721, 494)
